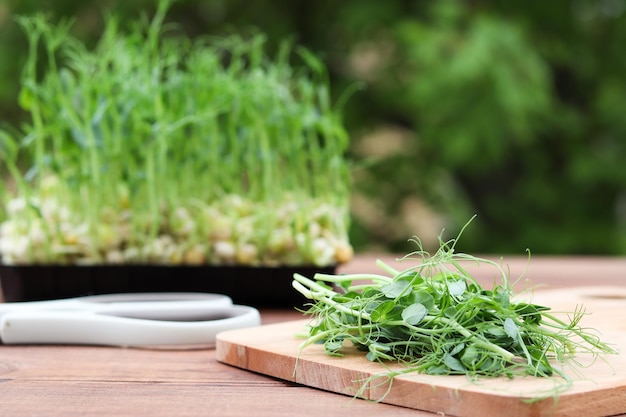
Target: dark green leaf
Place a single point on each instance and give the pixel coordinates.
(458, 348)
(530, 313)
(540, 362)
(438, 370)
(489, 365)
(345, 284)
(470, 356)
(352, 295)
(453, 363)
(381, 312)
(525, 308)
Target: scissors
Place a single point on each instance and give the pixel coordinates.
(130, 320)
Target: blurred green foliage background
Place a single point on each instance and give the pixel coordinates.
(513, 111)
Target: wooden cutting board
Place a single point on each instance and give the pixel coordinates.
(598, 390)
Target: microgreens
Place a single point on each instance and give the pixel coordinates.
(435, 318)
(153, 147)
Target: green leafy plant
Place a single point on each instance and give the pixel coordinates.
(435, 318)
(155, 148)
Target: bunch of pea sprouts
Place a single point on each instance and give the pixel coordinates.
(155, 148)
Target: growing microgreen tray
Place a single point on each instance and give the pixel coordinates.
(256, 286)
(152, 147)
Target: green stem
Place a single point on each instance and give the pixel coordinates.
(386, 268)
(314, 285)
(324, 295)
(351, 277)
(470, 335)
(315, 338)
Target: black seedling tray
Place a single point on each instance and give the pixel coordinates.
(254, 286)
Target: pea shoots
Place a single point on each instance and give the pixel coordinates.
(151, 147)
(435, 318)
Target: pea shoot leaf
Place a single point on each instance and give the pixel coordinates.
(458, 348)
(425, 298)
(511, 328)
(332, 347)
(438, 370)
(453, 363)
(470, 357)
(502, 297)
(495, 331)
(457, 288)
(396, 289)
(414, 314)
(450, 312)
(530, 312)
(381, 312)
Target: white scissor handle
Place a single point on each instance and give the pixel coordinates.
(68, 327)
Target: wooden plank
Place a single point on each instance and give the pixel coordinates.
(601, 390)
(120, 399)
(89, 381)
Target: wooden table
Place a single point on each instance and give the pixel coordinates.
(86, 381)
